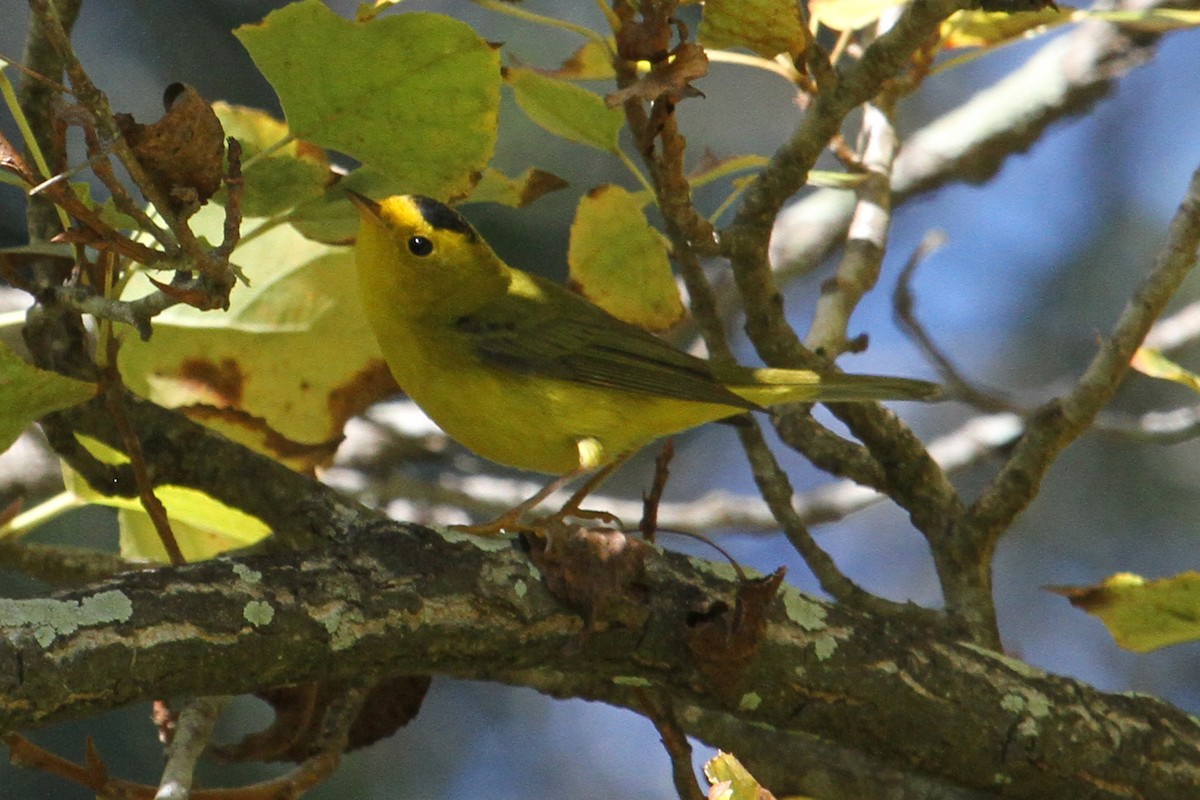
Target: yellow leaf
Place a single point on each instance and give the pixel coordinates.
(977, 28)
(620, 263)
(285, 367)
(1154, 20)
(1142, 615)
(732, 781)
(850, 15)
(768, 27)
(203, 526)
(1153, 363)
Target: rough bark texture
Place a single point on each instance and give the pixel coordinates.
(407, 600)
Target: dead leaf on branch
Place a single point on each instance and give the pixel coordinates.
(667, 79)
(183, 151)
(599, 572)
(725, 640)
(297, 732)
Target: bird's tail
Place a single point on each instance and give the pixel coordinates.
(770, 387)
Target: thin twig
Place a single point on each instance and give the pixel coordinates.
(1061, 421)
(193, 731)
(113, 388)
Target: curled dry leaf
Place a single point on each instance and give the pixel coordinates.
(600, 573)
(183, 151)
(667, 79)
(725, 640)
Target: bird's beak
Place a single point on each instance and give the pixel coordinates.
(365, 205)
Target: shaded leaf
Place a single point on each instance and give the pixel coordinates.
(496, 187)
(374, 99)
(566, 110)
(27, 393)
(620, 263)
(591, 62)
(1142, 615)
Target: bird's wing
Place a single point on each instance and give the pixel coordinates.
(571, 339)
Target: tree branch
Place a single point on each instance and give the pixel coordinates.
(401, 599)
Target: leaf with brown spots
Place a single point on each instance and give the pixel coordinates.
(183, 151)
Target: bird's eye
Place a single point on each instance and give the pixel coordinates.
(419, 246)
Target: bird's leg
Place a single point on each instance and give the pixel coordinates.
(511, 520)
(572, 507)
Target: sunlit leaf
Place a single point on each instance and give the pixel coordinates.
(977, 28)
(620, 263)
(415, 96)
(1142, 615)
(1152, 20)
(850, 15)
(1153, 363)
(731, 781)
(285, 367)
(203, 527)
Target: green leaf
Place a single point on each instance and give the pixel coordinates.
(768, 27)
(566, 110)
(1142, 615)
(835, 180)
(620, 263)
(277, 177)
(496, 187)
(415, 96)
(28, 393)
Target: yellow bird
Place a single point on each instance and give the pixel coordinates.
(527, 373)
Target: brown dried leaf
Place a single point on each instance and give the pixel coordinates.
(184, 150)
(723, 640)
(667, 78)
(600, 573)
